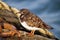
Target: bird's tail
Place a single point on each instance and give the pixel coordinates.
(47, 26)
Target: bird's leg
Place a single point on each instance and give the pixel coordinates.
(12, 29)
(31, 34)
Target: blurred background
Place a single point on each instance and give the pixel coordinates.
(47, 10)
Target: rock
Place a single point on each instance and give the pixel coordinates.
(24, 36)
(7, 16)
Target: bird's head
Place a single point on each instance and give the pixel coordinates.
(23, 13)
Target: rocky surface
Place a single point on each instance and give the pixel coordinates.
(24, 36)
(14, 20)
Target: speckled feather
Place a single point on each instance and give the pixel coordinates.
(32, 20)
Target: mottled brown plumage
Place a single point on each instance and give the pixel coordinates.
(32, 20)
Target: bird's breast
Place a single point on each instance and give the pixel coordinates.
(25, 25)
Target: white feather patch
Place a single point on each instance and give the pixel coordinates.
(25, 25)
(29, 27)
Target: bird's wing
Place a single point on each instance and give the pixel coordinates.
(34, 21)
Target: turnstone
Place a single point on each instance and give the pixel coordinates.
(32, 22)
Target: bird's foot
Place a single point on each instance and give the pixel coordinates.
(30, 35)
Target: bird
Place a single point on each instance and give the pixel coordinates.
(27, 19)
(32, 22)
